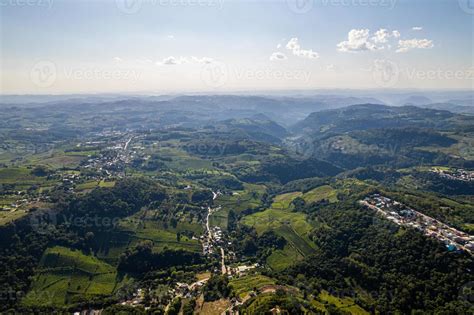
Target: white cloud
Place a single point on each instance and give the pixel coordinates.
(357, 40)
(204, 60)
(278, 56)
(293, 44)
(381, 36)
(296, 49)
(117, 59)
(409, 44)
(170, 36)
(361, 40)
(417, 28)
(171, 61)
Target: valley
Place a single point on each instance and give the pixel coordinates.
(226, 215)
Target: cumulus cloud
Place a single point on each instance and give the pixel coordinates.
(357, 40)
(294, 46)
(117, 59)
(276, 56)
(409, 44)
(381, 36)
(171, 61)
(362, 40)
(168, 61)
(417, 28)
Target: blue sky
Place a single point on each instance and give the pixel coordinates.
(157, 46)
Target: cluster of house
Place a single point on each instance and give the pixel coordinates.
(136, 298)
(24, 200)
(240, 271)
(210, 241)
(402, 215)
(114, 156)
(14, 205)
(458, 174)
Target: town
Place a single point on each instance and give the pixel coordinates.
(403, 215)
(457, 174)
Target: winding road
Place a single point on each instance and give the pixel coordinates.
(210, 237)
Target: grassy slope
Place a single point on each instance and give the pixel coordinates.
(244, 285)
(64, 274)
(293, 226)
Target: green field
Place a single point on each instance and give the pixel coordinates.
(64, 275)
(344, 304)
(238, 201)
(283, 258)
(161, 237)
(94, 184)
(181, 160)
(20, 175)
(10, 216)
(244, 285)
(320, 193)
(293, 226)
(283, 201)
